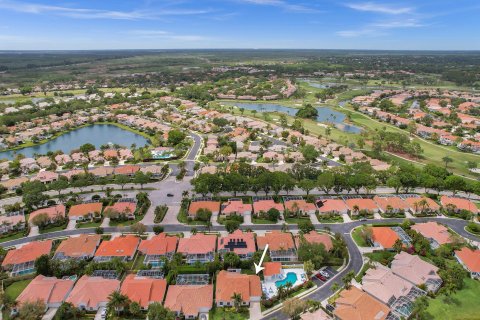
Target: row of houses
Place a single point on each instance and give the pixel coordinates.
(327, 205)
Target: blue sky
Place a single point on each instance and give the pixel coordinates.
(167, 24)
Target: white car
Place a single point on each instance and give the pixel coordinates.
(325, 274)
(103, 314)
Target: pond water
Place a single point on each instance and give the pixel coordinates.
(97, 134)
(325, 114)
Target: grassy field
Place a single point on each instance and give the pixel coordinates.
(14, 236)
(227, 314)
(464, 305)
(14, 290)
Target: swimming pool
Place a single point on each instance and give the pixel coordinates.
(291, 277)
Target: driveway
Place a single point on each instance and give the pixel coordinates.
(71, 225)
(255, 311)
(98, 315)
(50, 314)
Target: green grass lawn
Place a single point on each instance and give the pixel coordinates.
(464, 305)
(14, 290)
(358, 238)
(138, 262)
(296, 220)
(228, 314)
(261, 221)
(14, 236)
(88, 225)
(52, 229)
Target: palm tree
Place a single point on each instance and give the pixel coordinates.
(117, 301)
(447, 160)
(237, 301)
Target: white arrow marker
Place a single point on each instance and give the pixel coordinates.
(258, 267)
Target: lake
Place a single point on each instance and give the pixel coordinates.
(97, 134)
(325, 114)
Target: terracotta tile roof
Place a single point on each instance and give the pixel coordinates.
(301, 205)
(363, 204)
(414, 203)
(272, 268)
(459, 203)
(50, 290)
(385, 236)
(276, 241)
(91, 291)
(80, 210)
(229, 283)
(158, 245)
(354, 304)
(433, 230)
(236, 206)
(213, 206)
(470, 258)
(78, 247)
(198, 243)
(144, 290)
(189, 299)
(123, 207)
(315, 237)
(236, 236)
(124, 246)
(413, 268)
(332, 205)
(381, 283)
(52, 212)
(395, 202)
(28, 252)
(127, 170)
(265, 205)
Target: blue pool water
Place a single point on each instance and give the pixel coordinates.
(291, 277)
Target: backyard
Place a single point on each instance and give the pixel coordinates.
(464, 305)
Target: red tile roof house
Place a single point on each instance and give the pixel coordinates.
(434, 232)
(280, 245)
(54, 213)
(12, 222)
(123, 247)
(384, 237)
(199, 247)
(356, 205)
(265, 205)
(315, 237)
(236, 206)
(189, 300)
(212, 206)
(272, 271)
(46, 177)
(470, 260)
(128, 170)
(144, 290)
(336, 206)
(300, 206)
(391, 205)
(422, 205)
(127, 208)
(85, 211)
(158, 248)
(458, 204)
(230, 283)
(390, 289)
(50, 290)
(417, 271)
(81, 247)
(21, 261)
(239, 242)
(91, 293)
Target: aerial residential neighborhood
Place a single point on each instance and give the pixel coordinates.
(239, 160)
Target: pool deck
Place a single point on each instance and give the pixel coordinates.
(270, 288)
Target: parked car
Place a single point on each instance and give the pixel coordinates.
(320, 277)
(169, 194)
(325, 274)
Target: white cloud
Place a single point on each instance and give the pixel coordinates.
(379, 8)
(409, 23)
(284, 5)
(84, 13)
